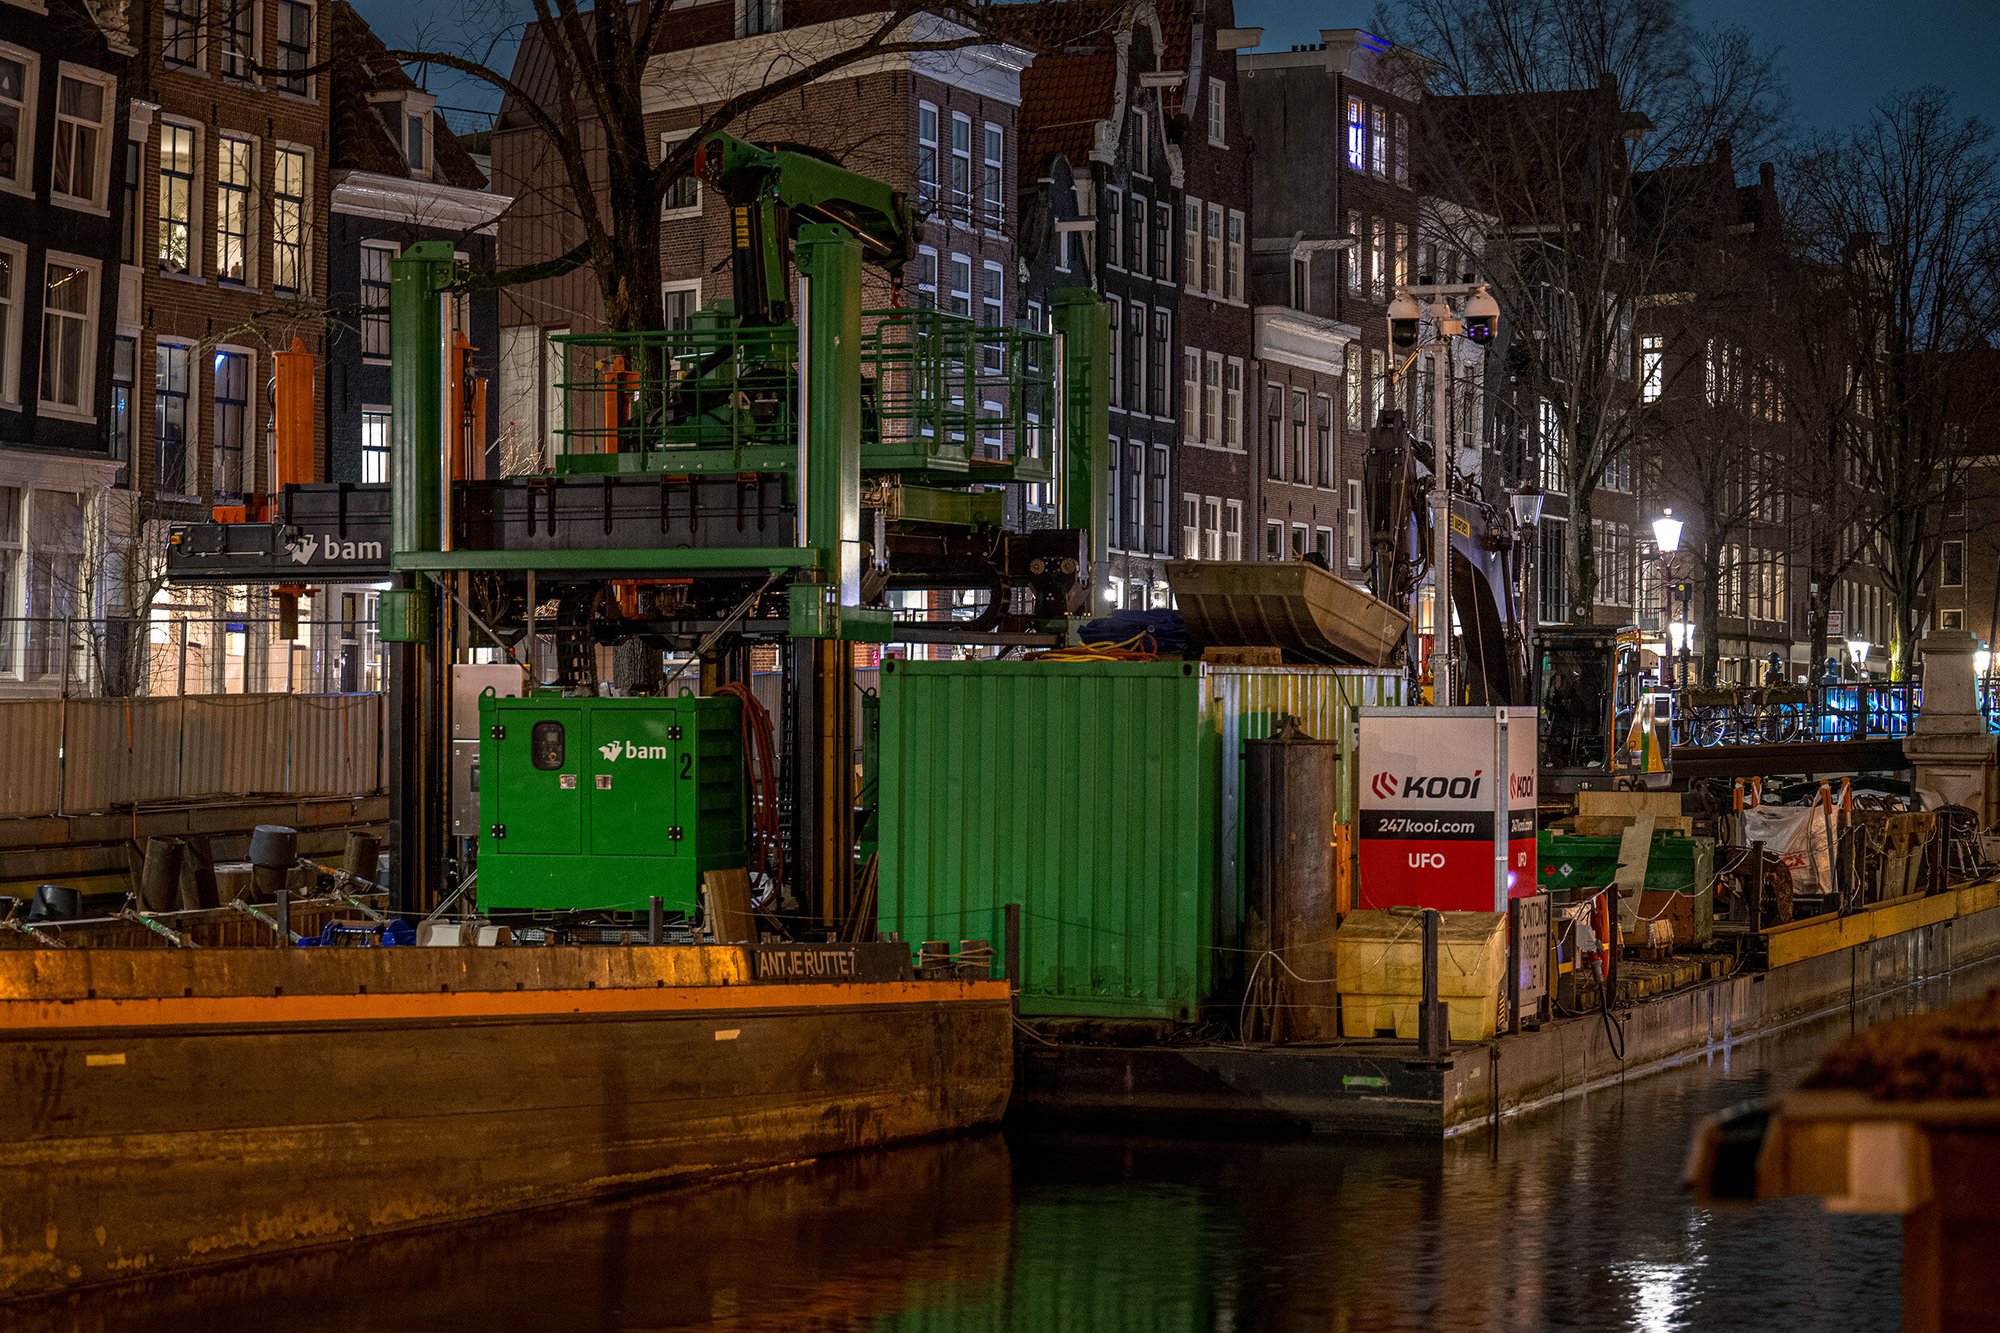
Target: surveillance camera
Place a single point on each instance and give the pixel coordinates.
(1403, 316)
(1482, 317)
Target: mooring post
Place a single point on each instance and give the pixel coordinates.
(1756, 886)
(1432, 1032)
(284, 901)
(656, 919)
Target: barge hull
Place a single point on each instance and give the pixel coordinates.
(140, 1144)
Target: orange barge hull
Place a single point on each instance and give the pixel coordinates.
(166, 1109)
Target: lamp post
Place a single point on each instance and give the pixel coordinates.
(1684, 640)
(1857, 656)
(1667, 538)
(1478, 322)
(1524, 502)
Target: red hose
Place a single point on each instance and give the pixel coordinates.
(767, 831)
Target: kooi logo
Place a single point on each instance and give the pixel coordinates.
(1384, 786)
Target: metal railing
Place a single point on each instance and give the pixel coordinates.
(113, 657)
(939, 394)
(1790, 714)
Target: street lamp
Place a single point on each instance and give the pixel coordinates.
(1857, 654)
(1667, 539)
(1477, 321)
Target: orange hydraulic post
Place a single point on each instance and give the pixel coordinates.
(475, 429)
(293, 423)
(455, 385)
(620, 385)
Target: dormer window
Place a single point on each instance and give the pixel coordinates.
(406, 116)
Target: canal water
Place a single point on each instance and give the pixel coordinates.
(1572, 1219)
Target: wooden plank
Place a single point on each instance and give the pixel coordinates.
(728, 893)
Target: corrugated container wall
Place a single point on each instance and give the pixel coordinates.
(1086, 792)
(1248, 703)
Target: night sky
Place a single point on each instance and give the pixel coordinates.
(1841, 55)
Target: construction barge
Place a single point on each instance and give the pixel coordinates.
(173, 1108)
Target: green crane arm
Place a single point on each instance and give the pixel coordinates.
(772, 192)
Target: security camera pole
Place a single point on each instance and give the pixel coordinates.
(1481, 318)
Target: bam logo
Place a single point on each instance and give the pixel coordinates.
(1383, 785)
(302, 551)
(614, 750)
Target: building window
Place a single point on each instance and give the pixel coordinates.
(170, 400)
(1378, 126)
(1301, 540)
(181, 33)
(288, 222)
(374, 444)
(1232, 529)
(416, 136)
(1232, 402)
(1323, 440)
(1274, 431)
(683, 195)
(1156, 378)
(1400, 264)
(55, 566)
(1135, 358)
(1114, 346)
(1114, 227)
(235, 179)
(179, 161)
(1156, 500)
(1356, 539)
(1217, 122)
(1191, 244)
(83, 112)
(232, 421)
(1135, 249)
(1652, 367)
(124, 365)
(1233, 285)
(13, 264)
(927, 154)
(1190, 525)
(1553, 562)
(1135, 495)
(1211, 267)
(375, 258)
(1323, 545)
(1554, 463)
(1274, 539)
(1357, 135)
(128, 238)
(961, 285)
(295, 44)
(69, 339)
(1378, 377)
(679, 301)
(1352, 257)
(1951, 563)
(992, 178)
(1191, 395)
(239, 43)
(1114, 537)
(1351, 377)
(757, 17)
(1211, 395)
(1211, 528)
(1402, 149)
(1299, 457)
(1378, 259)
(927, 278)
(961, 165)
(17, 118)
(1142, 144)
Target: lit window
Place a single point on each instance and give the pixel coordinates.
(17, 117)
(69, 306)
(289, 272)
(83, 110)
(1357, 134)
(1378, 127)
(1355, 537)
(1232, 530)
(11, 263)
(178, 164)
(1232, 403)
(235, 180)
(124, 366)
(1191, 395)
(239, 46)
(1402, 149)
(1652, 367)
(1211, 395)
(170, 399)
(374, 444)
(1351, 373)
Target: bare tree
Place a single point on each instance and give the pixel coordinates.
(1904, 209)
(581, 84)
(1539, 113)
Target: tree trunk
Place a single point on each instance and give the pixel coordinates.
(1583, 557)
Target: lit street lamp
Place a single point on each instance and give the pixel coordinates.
(1667, 538)
(1857, 655)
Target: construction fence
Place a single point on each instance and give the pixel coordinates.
(109, 657)
(82, 756)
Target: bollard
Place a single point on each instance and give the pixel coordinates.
(1433, 1018)
(1756, 886)
(656, 919)
(283, 899)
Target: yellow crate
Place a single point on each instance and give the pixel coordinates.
(1473, 1018)
(1382, 953)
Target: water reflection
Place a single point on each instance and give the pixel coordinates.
(1572, 1220)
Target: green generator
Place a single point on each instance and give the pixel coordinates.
(600, 805)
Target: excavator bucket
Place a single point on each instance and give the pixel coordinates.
(1300, 609)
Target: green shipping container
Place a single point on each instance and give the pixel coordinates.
(1087, 793)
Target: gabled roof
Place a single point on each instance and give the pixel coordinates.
(361, 65)
(1063, 98)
